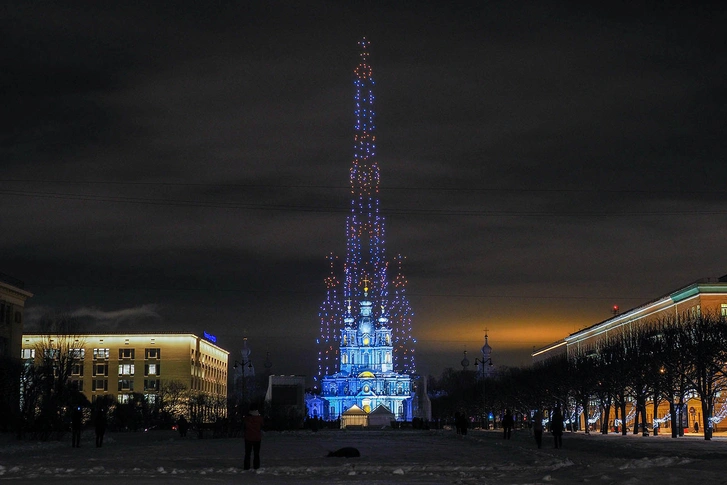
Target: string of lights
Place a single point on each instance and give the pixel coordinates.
(365, 267)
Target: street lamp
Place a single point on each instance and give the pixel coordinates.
(242, 364)
(488, 361)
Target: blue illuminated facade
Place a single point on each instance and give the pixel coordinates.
(366, 351)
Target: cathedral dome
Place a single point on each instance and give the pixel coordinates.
(365, 326)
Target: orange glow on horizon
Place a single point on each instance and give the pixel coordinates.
(503, 335)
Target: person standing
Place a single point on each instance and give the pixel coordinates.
(538, 427)
(253, 423)
(100, 425)
(182, 426)
(508, 422)
(556, 427)
(76, 422)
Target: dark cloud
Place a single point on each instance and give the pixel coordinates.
(187, 163)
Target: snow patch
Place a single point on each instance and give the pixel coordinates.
(659, 461)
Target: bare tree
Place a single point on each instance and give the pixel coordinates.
(705, 340)
(47, 393)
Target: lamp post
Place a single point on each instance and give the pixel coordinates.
(242, 364)
(478, 362)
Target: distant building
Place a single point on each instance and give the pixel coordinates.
(285, 400)
(12, 306)
(118, 365)
(707, 295)
(366, 377)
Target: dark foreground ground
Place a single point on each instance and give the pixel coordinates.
(387, 456)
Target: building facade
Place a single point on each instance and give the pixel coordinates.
(708, 295)
(12, 305)
(118, 365)
(366, 378)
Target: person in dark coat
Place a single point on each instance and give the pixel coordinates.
(253, 423)
(100, 425)
(462, 424)
(76, 422)
(556, 427)
(508, 422)
(182, 426)
(538, 427)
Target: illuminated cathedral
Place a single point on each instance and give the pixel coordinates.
(366, 351)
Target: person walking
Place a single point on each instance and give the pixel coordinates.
(253, 423)
(76, 422)
(556, 427)
(508, 422)
(538, 427)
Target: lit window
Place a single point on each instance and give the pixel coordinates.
(122, 398)
(51, 353)
(27, 354)
(77, 354)
(723, 309)
(126, 369)
(152, 369)
(100, 354)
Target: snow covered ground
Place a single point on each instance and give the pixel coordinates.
(387, 456)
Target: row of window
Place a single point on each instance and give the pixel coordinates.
(127, 354)
(124, 369)
(102, 385)
(98, 354)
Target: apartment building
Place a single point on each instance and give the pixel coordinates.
(121, 364)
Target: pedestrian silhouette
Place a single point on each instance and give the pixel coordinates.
(76, 422)
(253, 436)
(556, 427)
(538, 427)
(182, 426)
(461, 422)
(507, 424)
(100, 425)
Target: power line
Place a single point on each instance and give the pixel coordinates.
(347, 187)
(300, 208)
(299, 292)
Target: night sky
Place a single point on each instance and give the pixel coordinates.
(184, 165)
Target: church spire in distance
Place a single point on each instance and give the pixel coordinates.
(365, 265)
(365, 226)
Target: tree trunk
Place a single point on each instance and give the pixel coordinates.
(707, 406)
(623, 416)
(606, 418)
(673, 414)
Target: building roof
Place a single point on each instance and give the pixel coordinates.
(354, 411)
(381, 410)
